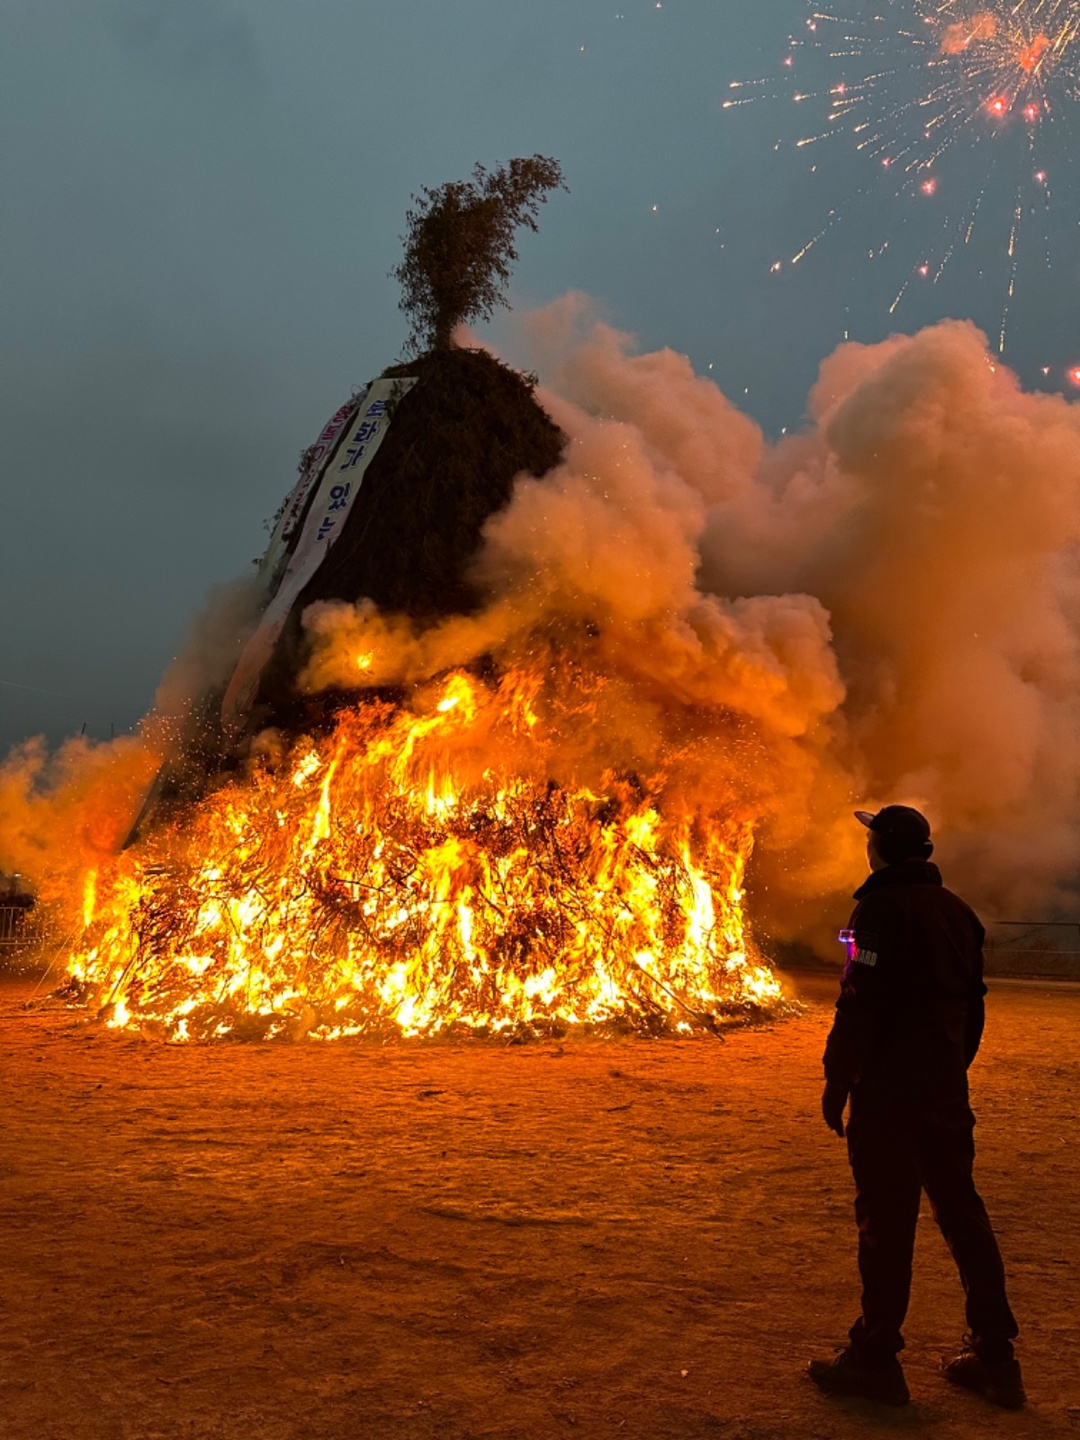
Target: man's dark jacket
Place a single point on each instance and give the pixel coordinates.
(910, 1015)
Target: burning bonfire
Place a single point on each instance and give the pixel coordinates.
(402, 875)
(425, 801)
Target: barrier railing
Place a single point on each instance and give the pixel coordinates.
(1048, 948)
(22, 929)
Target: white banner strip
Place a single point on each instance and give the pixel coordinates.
(338, 488)
(293, 509)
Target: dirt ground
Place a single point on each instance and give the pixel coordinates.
(626, 1239)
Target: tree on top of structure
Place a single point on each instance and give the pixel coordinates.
(459, 246)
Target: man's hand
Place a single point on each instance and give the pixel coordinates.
(833, 1101)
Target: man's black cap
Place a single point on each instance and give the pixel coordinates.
(902, 826)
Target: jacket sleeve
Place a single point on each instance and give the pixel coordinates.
(976, 1010)
(862, 1009)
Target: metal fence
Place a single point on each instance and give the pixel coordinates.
(1049, 948)
(1013, 947)
(23, 930)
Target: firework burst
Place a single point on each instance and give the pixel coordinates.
(946, 103)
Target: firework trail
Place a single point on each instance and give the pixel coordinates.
(940, 101)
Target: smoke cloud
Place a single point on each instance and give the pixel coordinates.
(965, 33)
(932, 509)
(63, 815)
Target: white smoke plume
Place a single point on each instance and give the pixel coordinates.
(933, 508)
(215, 640)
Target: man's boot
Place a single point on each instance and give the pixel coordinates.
(849, 1374)
(997, 1379)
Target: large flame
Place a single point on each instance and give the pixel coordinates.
(410, 873)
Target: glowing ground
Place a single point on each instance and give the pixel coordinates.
(632, 1239)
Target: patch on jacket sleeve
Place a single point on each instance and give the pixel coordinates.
(865, 949)
(861, 946)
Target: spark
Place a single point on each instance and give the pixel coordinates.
(932, 94)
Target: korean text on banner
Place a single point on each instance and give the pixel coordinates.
(325, 520)
(315, 461)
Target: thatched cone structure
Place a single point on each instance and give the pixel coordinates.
(449, 460)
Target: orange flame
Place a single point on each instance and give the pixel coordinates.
(410, 873)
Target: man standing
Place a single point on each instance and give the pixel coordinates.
(908, 1024)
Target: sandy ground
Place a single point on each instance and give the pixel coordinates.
(632, 1239)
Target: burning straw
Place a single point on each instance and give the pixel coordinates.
(384, 880)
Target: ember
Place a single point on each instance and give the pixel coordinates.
(392, 878)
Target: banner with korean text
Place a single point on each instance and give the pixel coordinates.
(292, 511)
(326, 516)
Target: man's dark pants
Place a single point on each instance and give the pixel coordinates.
(895, 1155)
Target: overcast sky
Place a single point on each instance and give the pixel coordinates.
(202, 200)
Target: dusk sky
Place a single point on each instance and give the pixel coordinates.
(204, 199)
